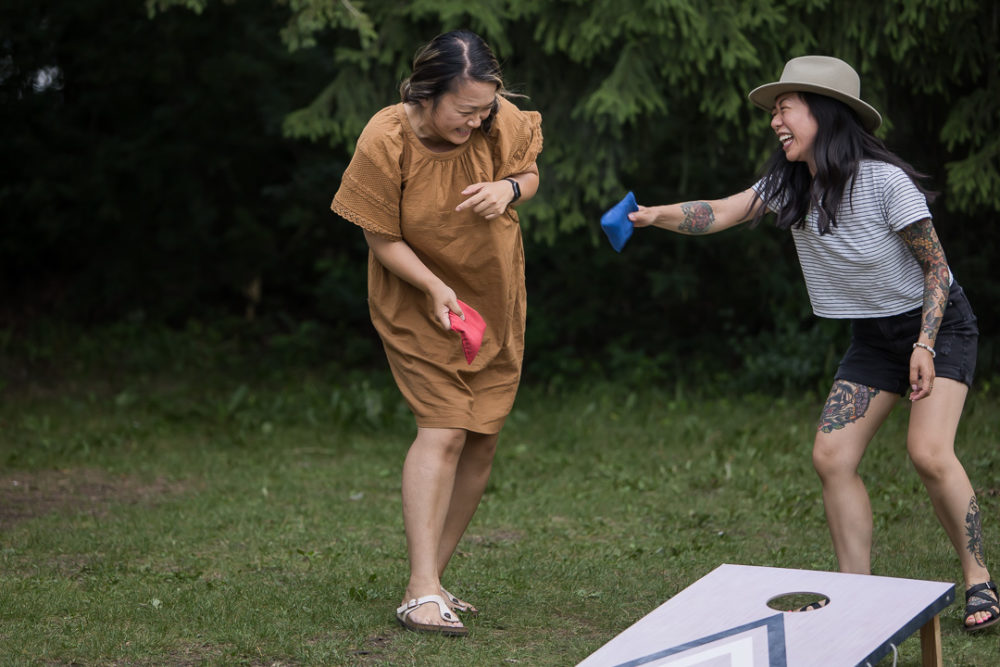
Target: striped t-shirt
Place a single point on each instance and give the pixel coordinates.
(861, 267)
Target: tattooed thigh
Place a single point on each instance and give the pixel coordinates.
(847, 403)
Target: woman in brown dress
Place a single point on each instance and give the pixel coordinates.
(432, 183)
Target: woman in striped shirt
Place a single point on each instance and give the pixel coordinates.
(869, 253)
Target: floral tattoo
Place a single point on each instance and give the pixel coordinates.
(847, 403)
(974, 531)
(698, 217)
(923, 242)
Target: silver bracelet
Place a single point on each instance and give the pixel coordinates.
(926, 347)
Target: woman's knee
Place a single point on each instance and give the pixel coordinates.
(932, 460)
(831, 460)
(482, 445)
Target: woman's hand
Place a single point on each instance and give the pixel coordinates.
(489, 199)
(921, 373)
(443, 301)
(398, 257)
(645, 216)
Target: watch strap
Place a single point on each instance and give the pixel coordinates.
(517, 189)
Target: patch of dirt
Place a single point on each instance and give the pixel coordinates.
(374, 653)
(185, 655)
(26, 495)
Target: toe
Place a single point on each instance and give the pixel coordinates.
(458, 604)
(978, 618)
(429, 614)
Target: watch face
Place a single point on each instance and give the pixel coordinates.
(517, 188)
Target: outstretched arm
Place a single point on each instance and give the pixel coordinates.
(699, 217)
(923, 242)
(398, 257)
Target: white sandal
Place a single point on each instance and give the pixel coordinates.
(403, 615)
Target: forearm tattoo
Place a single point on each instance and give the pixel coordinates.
(974, 531)
(698, 217)
(923, 242)
(847, 403)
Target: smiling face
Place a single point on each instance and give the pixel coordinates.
(796, 128)
(449, 121)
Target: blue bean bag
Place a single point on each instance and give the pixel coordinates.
(616, 224)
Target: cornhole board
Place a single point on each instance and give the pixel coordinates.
(722, 620)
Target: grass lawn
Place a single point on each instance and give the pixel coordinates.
(200, 519)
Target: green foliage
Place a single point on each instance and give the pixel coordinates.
(163, 187)
(654, 71)
(191, 179)
(975, 121)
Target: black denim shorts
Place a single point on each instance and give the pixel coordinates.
(879, 355)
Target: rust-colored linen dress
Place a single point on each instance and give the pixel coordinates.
(398, 188)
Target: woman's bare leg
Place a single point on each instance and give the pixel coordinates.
(471, 477)
(428, 485)
(851, 416)
(931, 445)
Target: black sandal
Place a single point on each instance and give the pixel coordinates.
(813, 606)
(978, 599)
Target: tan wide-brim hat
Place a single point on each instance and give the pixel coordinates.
(823, 75)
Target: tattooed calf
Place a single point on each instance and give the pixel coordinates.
(974, 531)
(847, 403)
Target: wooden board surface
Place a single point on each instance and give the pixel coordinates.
(722, 620)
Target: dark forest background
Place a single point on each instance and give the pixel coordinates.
(167, 169)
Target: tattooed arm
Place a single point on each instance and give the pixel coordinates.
(698, 217)
(922, 241)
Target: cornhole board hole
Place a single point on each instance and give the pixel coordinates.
(723, 620)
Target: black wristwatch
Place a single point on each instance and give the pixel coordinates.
(517, 189)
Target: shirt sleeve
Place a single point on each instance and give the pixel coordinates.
(773, 206)
(371, 187)
(902, 203)
(517, 139)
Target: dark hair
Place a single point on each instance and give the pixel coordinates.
(841, 143)
(450, 58)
